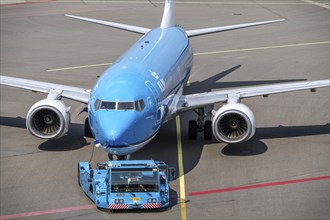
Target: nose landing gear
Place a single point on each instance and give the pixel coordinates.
(116, 157)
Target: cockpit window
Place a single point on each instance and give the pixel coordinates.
(97, 104)
(108, 105)
(125, 106)
(139, 105)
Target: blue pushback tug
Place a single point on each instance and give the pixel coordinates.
(127, 184)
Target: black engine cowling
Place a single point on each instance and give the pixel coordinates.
(48, 119)
(233, 123)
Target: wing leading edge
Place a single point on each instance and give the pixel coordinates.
(126, 27)
(190, 33)
(70, 92)
(168, 20)
(188, 102)
(199, 32)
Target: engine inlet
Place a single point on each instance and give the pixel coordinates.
(233, 125)
(46, 121)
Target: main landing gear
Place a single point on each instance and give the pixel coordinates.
(200, 125)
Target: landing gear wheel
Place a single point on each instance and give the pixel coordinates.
(110, 156)
(192, 131)
(208, 130)
(124, 157)
(88, 132)
(78, 175)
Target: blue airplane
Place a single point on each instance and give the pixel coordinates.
(144, 88)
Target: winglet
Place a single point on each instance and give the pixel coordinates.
(168, 15)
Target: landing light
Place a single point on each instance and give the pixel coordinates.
(119, 201)
(153, 200)
(97, 143)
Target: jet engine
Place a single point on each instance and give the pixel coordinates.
(233, 123)
(48, 119)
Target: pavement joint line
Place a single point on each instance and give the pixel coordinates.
(79, 67)
(316, 3)
(47, 212)
(181, 170)
(13, 3)
(259, 185)
(262, 48)
(190, 2)
(203, 53)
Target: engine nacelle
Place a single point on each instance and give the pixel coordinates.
(233, 123)
(48, 119)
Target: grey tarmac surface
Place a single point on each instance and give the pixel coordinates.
(292, 136)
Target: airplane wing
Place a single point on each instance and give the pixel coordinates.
(198, 32)
(70, 92)
(131, 28)
(190, 33)
(188, 102)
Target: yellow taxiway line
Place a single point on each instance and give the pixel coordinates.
(181, 171)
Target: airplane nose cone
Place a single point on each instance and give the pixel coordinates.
(115, 134)
(117, 129)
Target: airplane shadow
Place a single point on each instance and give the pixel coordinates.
(211, 83)
(255, 146)
(251, 147)
(73, 140)
(164, 146)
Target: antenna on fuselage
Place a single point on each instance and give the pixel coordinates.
(168, 15)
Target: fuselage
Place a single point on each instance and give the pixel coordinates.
(130, 101)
